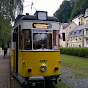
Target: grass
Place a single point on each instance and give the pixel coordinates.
(59, 85)
(78, 65)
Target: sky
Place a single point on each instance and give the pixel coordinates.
(42, 5)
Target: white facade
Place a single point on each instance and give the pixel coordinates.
(76, 20)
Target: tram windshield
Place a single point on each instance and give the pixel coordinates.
(39, 39)
(42, 41)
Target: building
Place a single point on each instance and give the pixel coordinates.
(65, 28)
(79, 20)
(79, 36)
(75, 37)
(86, 28)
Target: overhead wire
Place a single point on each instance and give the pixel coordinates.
(31, 5)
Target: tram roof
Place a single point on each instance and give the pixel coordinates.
(33, 17)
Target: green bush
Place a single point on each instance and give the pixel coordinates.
(82, 52)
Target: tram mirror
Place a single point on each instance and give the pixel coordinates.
(63, 36)
(14, 36)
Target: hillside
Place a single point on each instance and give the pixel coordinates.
(70, 8)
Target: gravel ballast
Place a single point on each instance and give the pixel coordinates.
(68, 78)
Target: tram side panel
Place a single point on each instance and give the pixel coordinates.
(12, 59)
(20, 62)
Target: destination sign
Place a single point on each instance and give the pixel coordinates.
(41, 25)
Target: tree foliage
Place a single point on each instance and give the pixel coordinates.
(8, 9)
(64, 12)
(76, 7)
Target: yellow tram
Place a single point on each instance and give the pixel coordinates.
(35, 52)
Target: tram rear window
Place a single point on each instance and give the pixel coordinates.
(42, 41)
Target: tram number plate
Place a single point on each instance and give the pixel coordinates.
(43, 61)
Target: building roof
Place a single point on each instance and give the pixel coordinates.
(77, 31)
(79, 28)
(65, 25)
(78, 16)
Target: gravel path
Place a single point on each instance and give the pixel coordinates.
(4, 70)
(67, 78)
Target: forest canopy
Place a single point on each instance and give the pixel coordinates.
(70, 9)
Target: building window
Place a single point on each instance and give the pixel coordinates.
(70, 34)
(87, 31)
(76, 37)
(79, 31)
(81, 19)
(86, 41)
(86, 22)
(79, 23)
(71, 39)
(74, 33)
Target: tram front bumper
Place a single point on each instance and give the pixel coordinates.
(35, 80)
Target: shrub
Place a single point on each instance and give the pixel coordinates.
(82, 52)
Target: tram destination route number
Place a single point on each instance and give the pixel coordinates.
(42, 25)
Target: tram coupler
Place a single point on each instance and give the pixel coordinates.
(36, 81)
(56, 80)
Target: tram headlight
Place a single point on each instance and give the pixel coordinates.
(43, 67)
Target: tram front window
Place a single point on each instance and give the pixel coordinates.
(42, 41)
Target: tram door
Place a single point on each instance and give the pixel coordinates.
(16, 51)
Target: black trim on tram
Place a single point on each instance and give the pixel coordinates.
(17, 53)
(33, 17)
(37, 51)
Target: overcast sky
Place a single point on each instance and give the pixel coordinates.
(43, 5)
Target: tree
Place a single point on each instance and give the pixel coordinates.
(79, 7)
(8, 8)
(70, 9)
(64, 12)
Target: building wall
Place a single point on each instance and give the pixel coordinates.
(76, 41)
(81, 20)
(76, 20)
(67, 30)
(86, 21)
(86, 32)
(62, 43)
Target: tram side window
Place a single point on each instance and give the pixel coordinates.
(42, 41)
(55, 40)
(26, 39)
